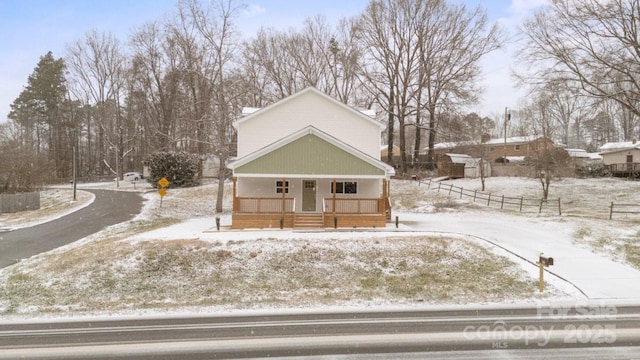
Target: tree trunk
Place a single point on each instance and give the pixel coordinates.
(432, 139)
(390, 128)
(221, 177)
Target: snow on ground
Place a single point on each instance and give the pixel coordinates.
(55, 203)
(590, 263)
(578, 270)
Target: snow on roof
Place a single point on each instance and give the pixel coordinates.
(618, 146)
(452, 144)
(250, 110)
(583, 154)
(512, 140)
(445, 145)
(578, 153)
(467, 160)
(368, 112)
(497, 141)
(516, 159)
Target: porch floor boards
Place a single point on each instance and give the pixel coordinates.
(309, 221)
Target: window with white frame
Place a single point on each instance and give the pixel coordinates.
(516, 147)
(344, 187)
(280, 187)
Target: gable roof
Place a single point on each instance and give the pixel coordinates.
(465, 159)
(612, 147)
(250, 113)
(383, 168)
(513, 140)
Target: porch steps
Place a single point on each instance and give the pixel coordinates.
(309, 221)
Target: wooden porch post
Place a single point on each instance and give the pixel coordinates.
(284, 188)
(235, 198)
(385, 194)
(334, 197)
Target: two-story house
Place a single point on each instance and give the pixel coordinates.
(309, 160)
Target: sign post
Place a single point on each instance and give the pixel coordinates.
(163, 183)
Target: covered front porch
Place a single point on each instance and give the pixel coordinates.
(310, 202)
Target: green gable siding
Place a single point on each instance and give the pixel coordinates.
(309, 155)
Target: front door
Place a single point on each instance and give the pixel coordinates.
(308, 195)
(629, 162)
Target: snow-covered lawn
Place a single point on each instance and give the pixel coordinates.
(446, 250)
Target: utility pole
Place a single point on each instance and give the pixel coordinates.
(507, 117)
(75, 177)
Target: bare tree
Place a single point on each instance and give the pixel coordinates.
(155, 88)
(280, 63)
(214, 23)
(454, 40)
(425, 57)
(568, 107)
(98, 67)
(389, 29)
(591, 43)
(550, 160)
(22, 169)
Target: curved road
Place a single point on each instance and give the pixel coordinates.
(108, 208)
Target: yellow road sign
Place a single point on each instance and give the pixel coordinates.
(163, 182)
(162, 192)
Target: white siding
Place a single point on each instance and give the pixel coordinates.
(620, 157)
(309, 108)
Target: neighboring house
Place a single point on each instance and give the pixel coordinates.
(309, 161)
(496, 150)
(442, 148)
(581, 157)
(210, 166)
(462, 166)
(384, 152)
(516, 147)
(621, 158)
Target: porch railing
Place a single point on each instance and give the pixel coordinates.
(264, 205)
(354, 206)
(343, 206)
(624, 167)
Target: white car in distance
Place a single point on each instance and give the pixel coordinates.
(131, 176)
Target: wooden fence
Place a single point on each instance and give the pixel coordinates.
(623, 209)
(521, 204)
(11, 203)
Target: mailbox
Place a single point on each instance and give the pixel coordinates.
(546, 261)
(543, 262)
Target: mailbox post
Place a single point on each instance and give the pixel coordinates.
(543, 262)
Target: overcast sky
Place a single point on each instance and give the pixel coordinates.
(31, 28)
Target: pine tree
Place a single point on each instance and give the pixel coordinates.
(40, 111)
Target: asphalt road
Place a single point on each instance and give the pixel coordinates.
(588, 332)
(108, 208)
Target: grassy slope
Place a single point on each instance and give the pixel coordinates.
(109, 272)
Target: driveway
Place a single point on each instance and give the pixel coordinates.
(594, 275)
(108, 208)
